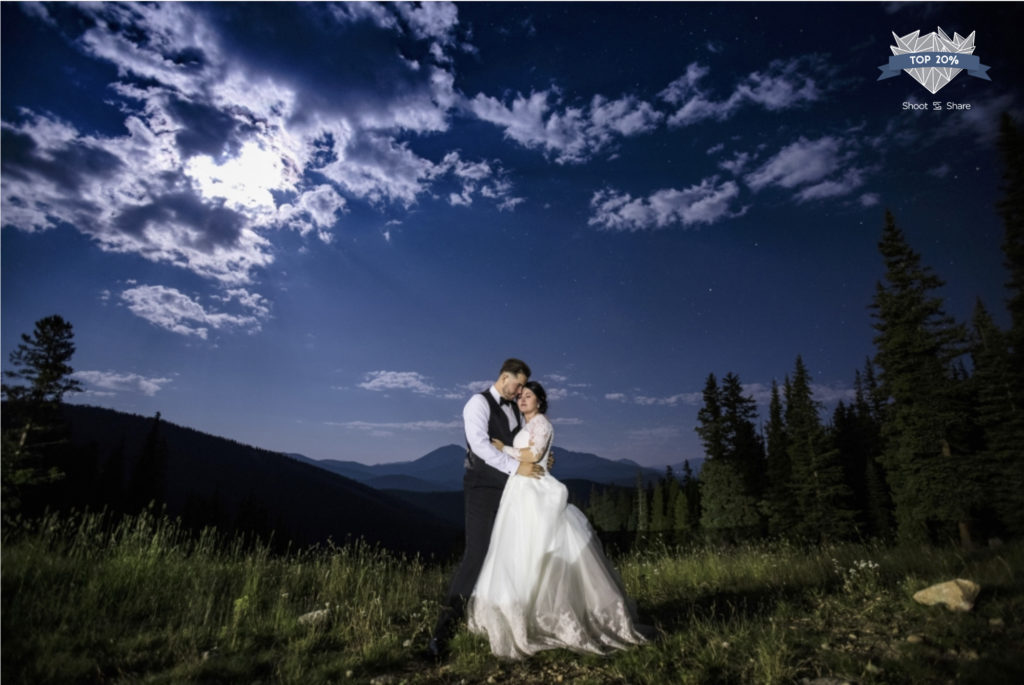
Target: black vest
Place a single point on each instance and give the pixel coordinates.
(497, 428)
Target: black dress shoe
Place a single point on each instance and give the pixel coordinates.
(437, 648)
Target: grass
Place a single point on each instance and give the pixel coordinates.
(143, 601)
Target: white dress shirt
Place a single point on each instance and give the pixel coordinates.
(476, 415)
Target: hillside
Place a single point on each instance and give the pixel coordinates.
(212, 480)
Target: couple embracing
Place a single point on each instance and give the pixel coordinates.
(533, 575)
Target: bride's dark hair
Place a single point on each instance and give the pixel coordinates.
(542, 397)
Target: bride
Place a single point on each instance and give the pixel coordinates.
(545, 583)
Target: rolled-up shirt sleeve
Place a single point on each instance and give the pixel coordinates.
(475, 416)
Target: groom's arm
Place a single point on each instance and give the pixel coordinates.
(475, 416)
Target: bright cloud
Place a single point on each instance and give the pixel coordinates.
(175, 311)
(384, 429)
(707, 203)
(221, 149)
(397, 380)
(112, 382)
(783, 85)
(573, 134)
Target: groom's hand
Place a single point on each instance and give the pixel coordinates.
(529, 470)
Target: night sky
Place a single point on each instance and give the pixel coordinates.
(318, 228)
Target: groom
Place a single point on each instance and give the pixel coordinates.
(487, 415)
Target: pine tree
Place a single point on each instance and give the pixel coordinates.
(733, 452)
(710, 426)
(32, 422)
(1011, 209)
(779, 503)
(727, 510)
(691, 491)
(742, 442)
(642, 516)
(658, 522)
(681, 524)
(924, 430)
(672, 493)
(150, 473)
(822, 497)
(1000, 419)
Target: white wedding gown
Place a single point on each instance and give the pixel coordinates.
(546, 583)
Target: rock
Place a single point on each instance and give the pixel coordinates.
(957, 595)
(383, 680)
(995, 543)
(313, 617)
(996, 622)
(915, 639)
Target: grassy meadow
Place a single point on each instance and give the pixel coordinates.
(144, 601)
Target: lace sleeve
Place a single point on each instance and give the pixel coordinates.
(541, 434)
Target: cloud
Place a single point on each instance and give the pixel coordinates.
(707, 203)
(174, 311)
(785, 84)
(831, 394)
(397, 380)
(485, 179)
(231, 132)
(113, 382)
(316, 209)
(654, 434)
(572, 135)
(805, 161)
(815, 169)
(386, 429)
(687, 398)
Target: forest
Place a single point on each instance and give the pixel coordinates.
(928, 450)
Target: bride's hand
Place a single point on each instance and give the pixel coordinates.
(526, 455)
(498, 444)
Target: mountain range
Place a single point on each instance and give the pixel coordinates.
(442, 470)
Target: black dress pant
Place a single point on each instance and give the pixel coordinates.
(482, 497)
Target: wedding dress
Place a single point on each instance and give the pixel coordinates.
(545, 583)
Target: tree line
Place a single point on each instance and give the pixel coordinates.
(930, 447)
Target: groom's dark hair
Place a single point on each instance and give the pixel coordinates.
(515, 367)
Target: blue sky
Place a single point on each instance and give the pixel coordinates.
(318, 228)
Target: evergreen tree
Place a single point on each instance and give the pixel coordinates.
(925, 431)
(681, 524)
(1011, 209)
(822, 498)
(32, 422)
(642, 516)
(1000, 419)
(150, 472)
(710, 424)
(779, 503)
(691, 492)
(727, 510)
(868, 408)
(733, 450)
(658, 521)
(672, 493)
(739, 433)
